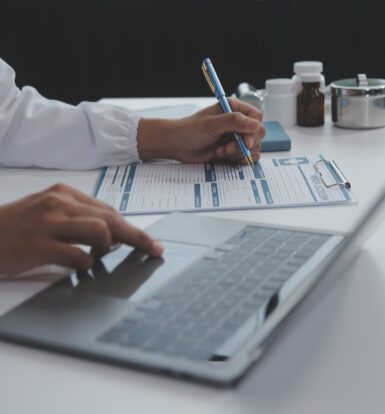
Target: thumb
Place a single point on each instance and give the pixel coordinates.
(218, 125)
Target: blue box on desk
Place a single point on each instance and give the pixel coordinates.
(276, 138)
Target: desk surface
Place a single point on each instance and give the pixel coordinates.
(327, 358)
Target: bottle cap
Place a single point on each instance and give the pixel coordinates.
(308, 66)
(311, 77)
(279, 85)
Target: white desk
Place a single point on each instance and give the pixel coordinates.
(328, 358)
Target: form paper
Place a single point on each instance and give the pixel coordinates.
(166, 187)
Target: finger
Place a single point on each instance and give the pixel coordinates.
(236, 105)
(135, 237)
(231, 149)
(239, 159)
(217, 125)
(256, 153)
(250, 141)
(69, 256)
(52, 203)
(77, 195)
(120, 230)
(92, 232)
(74, 209)
(245, 108)
(221, 152)
(214, 109)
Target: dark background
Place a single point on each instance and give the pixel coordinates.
(77, 50)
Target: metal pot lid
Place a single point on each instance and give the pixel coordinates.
(359, 86)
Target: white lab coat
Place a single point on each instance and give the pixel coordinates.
(38, 132)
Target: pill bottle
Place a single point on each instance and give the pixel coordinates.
(307, 67)
(311, 101)
(280, 101)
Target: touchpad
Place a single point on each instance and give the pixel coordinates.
(130, 274)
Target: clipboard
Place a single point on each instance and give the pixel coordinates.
(337, 174)
(277, 181)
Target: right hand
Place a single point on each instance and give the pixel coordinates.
(44, 228)
(204, 136)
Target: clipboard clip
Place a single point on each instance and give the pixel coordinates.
(336, 172)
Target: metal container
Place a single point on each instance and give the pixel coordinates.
(358, 103)
(248, 93)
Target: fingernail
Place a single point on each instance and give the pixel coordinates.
(157, 248)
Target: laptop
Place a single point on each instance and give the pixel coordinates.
(205, 311)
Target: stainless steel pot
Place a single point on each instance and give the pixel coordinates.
(358, 103)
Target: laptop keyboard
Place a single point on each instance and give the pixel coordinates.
(198, 311)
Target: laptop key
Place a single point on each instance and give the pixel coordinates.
(281, 235)
(273, 285)
(226, 247)
(282, 276)
(214, 254)
(140, 334)
(289, 268)
(136, 315)
(151, 305)
(111, 336)
(302, 237)
(296, 261)
(179, 347)
(159, 342)
(305, 253)
(320, 238)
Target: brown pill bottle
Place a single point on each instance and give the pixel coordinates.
(311, 101)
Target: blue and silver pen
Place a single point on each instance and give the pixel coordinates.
(216, 87)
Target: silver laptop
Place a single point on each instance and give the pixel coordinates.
(205, 311)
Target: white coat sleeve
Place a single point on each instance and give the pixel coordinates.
(38, 132)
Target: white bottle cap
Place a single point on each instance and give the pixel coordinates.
(280, 85)
(311, 77)
(308, 66)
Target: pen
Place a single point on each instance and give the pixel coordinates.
(216, 87)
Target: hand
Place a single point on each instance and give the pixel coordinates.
(43, 229)
(204, 136)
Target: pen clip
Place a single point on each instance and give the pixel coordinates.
(207, 76)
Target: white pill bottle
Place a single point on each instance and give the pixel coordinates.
(280, 102)
(310, 66)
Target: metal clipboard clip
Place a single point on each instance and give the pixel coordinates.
(336, 172)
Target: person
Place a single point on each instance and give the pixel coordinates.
(44, 228)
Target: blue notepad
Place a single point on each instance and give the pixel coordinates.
(276, 138)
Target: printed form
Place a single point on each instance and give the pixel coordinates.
(165, 187)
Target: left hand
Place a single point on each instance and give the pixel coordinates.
(204, 136)
(47, 227)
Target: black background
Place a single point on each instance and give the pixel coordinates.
(77, 50)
